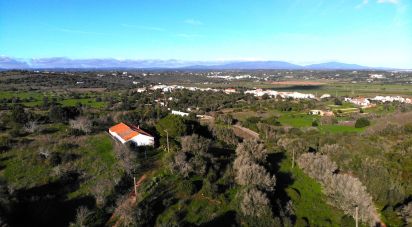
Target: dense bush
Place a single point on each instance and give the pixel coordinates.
(362, 122)
(172, 125)
(58, 114)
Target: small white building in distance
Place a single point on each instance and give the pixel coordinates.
(183, 114)
(321, 113)
(325, 96)
(124, 134)
(230, 90)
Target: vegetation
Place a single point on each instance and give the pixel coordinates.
(297, 169)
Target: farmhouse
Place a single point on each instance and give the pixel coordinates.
(230, 90)
(124, 134)
(321, 113)
(183, 114)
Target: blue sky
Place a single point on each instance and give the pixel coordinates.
(368, 32)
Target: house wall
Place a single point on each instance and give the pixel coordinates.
(143, 140)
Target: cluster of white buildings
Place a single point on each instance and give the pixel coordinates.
(229, 77)
(392, 99)
(294, 95)
(170, 88)
(255, 92)
(367, 101)
(359, 101)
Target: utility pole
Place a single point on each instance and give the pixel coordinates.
(356, 215)
(167, 141)
(135, 188)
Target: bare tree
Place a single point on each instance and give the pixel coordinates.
(181, 164)
(127, 158)
(253, 150)
(406, 213)
(254, 203)
(82, 124)
(125, 210)
(195, 144)
(255, 175)
(31, 127)
(82, 214)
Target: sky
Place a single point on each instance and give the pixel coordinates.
(374, 33)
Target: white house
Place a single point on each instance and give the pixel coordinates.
(321, 113)
(124, 134)
(183, 114)
(325, 96)
(230, 90)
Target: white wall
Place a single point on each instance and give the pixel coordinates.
(143, 140)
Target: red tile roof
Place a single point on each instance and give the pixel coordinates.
(126, 132)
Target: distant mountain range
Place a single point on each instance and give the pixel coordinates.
(66, 63)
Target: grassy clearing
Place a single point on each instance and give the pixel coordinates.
(21, 95)
(23, 167)
(91, 102)
(98, 161)
(339, 129)
(297, 119)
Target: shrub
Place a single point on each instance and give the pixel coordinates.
(408, 128)
(187, 187)
(338, 102)
(362, 122)
(5, 143)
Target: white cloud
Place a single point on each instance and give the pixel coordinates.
(192, 22)
(365, 2)
(389, 1)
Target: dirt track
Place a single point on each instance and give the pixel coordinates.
(245, 133)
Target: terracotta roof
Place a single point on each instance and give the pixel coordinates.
(139, 130)
(124, 131)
